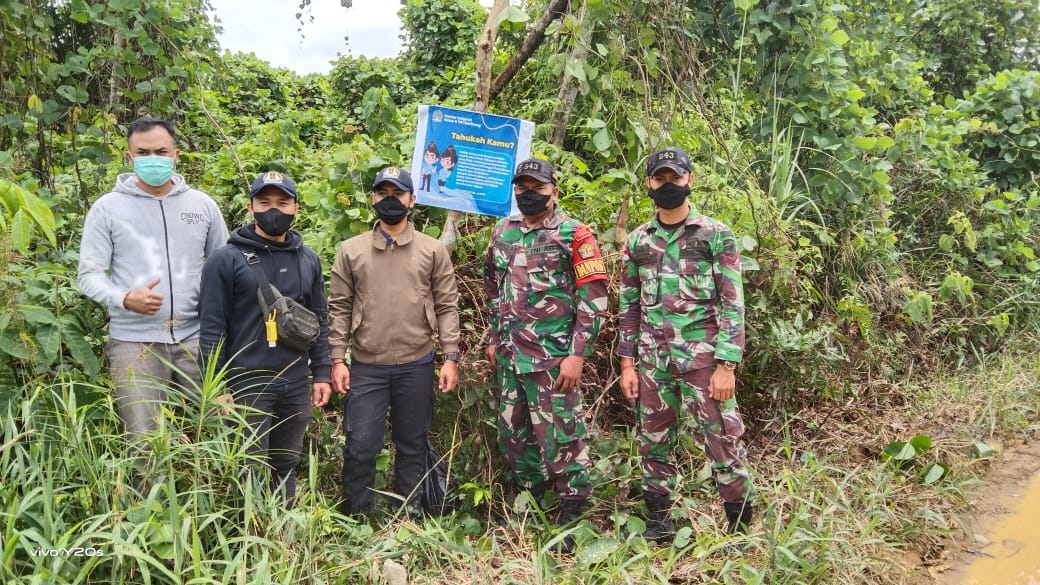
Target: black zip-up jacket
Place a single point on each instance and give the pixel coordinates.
(229, 310)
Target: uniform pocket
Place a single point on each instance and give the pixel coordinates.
(543, 272)
(649, 285)
(695, 280)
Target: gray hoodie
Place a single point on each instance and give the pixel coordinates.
(131, 238)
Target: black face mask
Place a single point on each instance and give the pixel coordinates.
(670, 195)
(531, 202)
(391, 210)
(273, 222)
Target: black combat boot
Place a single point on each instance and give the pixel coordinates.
(538, 495)
(659, 526)
(570, 512)
(739, 516)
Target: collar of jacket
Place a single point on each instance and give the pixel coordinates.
(693, 217)
(379, 240)
(552, 221)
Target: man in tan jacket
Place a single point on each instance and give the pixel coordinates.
(393, 291)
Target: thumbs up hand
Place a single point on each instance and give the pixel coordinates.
(144, 300)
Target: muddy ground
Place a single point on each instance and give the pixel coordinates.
(990, 501)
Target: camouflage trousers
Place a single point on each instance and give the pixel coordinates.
(542, 434)
(663, 394)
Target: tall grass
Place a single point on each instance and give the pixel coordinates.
(72, 489)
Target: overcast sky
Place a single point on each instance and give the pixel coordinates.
(269, 29)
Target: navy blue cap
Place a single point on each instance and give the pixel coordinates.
(394, 176)
(273, 179)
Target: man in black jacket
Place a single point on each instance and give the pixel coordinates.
(277, 382)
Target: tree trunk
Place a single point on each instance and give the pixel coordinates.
(568, 86)
(481, 99)
(113, 80)
(486, 57)
(532, 41)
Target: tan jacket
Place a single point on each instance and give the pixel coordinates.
(387, 303)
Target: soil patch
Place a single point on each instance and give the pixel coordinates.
(990, 501)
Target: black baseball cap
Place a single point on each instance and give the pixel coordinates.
(395, 176)
(536, 168)
(670, 157)
(273, 179)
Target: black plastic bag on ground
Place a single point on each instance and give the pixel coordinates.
(436, 499)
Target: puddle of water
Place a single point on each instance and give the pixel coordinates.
(1013, 556)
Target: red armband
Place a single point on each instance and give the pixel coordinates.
(586, 259)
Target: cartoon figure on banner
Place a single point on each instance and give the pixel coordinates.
(429, 166)
(449, 158)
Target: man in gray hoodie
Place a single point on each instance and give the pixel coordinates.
(141, 257)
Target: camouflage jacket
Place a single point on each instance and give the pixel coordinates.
(546, 291)
(682, 299)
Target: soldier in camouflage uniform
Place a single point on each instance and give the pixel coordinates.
(547, 294)
(682, 337)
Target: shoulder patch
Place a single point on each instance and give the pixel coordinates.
(587, 262)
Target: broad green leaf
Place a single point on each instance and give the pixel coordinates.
(647, 37)
(840, 37)
(899, 451)
(20, 229)
(73, 94)
(596, 552)
(1000, 322)
(619, 175)
(510, 16)
(982, 450)
(635, 525)
(83, 354)
(921, 443)
(574, 69)
(35, 314)
(34, 103)
(919, 308)
(601, 140)
(682, 537)
(933, 473)
(743, 5)
(49, 339)
(865, 142)
(12, 344)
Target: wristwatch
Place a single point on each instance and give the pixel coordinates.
(453, 356)
(727, 364)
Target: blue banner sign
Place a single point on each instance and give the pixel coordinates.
(464, 160)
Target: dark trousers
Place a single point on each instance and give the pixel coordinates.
(407, 392)
(276, 426)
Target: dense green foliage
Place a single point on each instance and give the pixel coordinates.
(878, 161)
